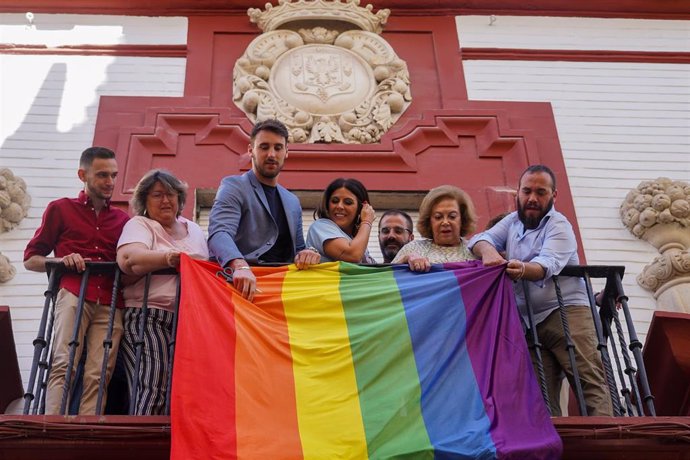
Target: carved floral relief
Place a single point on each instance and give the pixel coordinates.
(14, 200)
(658, 212)
(661, 201)
(14, 207)
(328, 85)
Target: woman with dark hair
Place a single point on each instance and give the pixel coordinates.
(153, 240)
(343, 225)
(446, 216)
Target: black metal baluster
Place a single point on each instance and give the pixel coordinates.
(603, 349)
(40, 343)
(74, 344)
(139, 344)
(171, 345)
(609, 304)
(570, 347)
(108, 341)
(537, 346)
(636, 348)
(44, 364)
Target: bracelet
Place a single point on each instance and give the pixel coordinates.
(313, 249)
(243, 267)
(168, 259)
(366, 222)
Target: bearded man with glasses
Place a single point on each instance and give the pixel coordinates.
(395, 231)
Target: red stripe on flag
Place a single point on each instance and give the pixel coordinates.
(203, 391)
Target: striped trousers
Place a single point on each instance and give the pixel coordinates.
(152, 380)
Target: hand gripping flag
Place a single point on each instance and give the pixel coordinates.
(342, 361)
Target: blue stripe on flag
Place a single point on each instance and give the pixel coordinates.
(452, 406)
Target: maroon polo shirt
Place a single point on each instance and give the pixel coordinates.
(71, 225)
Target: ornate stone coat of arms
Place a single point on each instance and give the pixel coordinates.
(323, 69)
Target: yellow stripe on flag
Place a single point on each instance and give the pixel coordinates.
(328, 409)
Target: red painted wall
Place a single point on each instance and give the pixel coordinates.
(443, 138)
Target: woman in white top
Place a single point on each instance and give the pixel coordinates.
(153, 240)
(344, 222)
(446, 216)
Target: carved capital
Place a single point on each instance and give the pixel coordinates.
(7, 270)
(664, 268)
(14, 200)
(658, 211)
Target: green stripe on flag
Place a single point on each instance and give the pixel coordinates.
(385, 368)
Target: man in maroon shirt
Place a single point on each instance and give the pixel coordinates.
(76, 230)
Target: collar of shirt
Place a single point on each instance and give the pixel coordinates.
(526, 244)
(521, 231)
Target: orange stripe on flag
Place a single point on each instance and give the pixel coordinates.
(264, 381)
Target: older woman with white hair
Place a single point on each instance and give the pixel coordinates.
(153, 240)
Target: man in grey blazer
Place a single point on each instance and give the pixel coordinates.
(254, 219)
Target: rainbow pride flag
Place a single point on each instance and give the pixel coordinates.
(342, 361)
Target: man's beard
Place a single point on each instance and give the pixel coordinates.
(95, 192)
(390, 253)
(264, 172)
(533, 222)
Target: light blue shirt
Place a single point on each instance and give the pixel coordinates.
(323, 230)
(553, 246)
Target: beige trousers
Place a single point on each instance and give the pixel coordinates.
(93, 330)
(587, 358)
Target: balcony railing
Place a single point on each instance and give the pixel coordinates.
(633, 398)
(34, 397)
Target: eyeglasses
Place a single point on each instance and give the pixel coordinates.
(396, 230)
(158, 196)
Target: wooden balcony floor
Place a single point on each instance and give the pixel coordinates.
(118, 437)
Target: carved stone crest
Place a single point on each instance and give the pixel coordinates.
(332, 79)
(322, 79)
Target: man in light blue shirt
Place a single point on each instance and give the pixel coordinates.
(538, 242)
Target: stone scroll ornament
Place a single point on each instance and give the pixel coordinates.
(658, 212)
(322, 68)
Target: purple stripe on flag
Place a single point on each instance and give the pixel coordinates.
(520, 423)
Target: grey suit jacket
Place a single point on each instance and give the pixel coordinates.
(241, 225)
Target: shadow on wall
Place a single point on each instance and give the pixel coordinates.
(47, 159)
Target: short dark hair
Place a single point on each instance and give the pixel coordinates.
(353, 185)
(496, 219)
(88, 155)
(398, 212)
(539, 169)
(144, 186)
(468, 216)
(272, 125)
